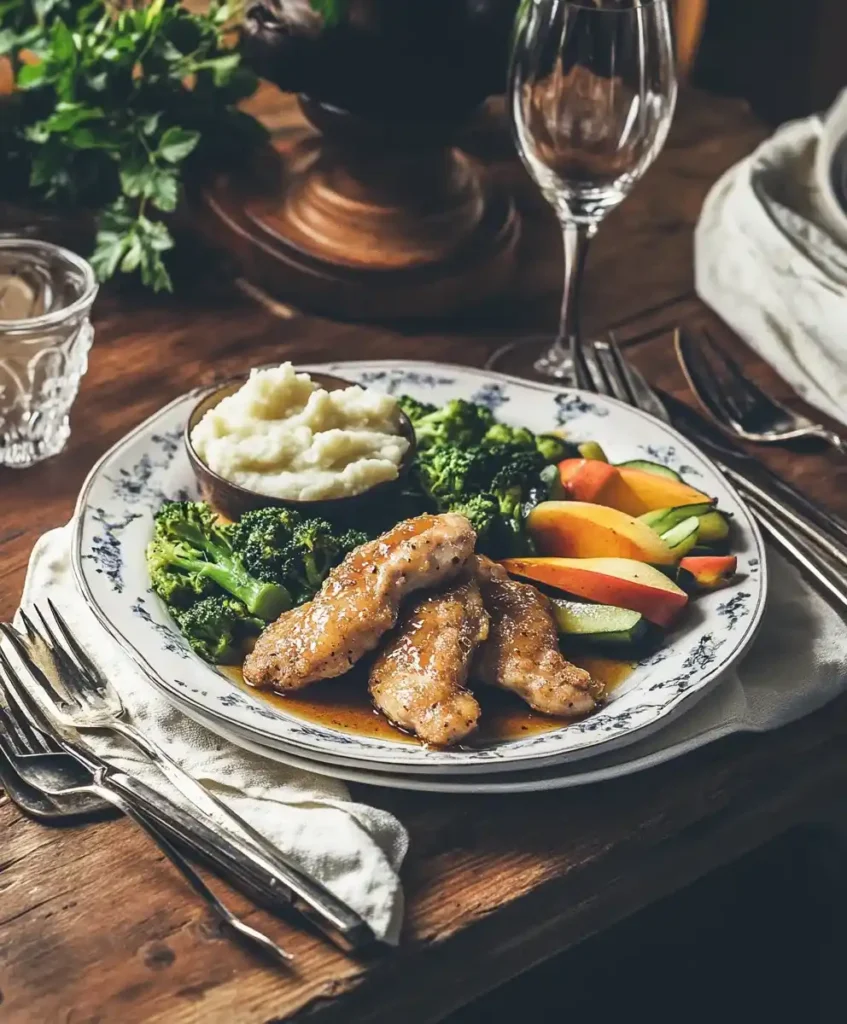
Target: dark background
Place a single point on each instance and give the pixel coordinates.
(787, 57)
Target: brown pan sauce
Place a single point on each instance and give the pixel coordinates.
(344, 704)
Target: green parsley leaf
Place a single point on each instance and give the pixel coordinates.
(125, 93)
(63, 42)
(31, 75)
(177, 143)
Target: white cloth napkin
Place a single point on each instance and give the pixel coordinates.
(354, 849)
(765, 263)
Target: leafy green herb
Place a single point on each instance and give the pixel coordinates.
(116, 108)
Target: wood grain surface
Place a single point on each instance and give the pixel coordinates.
(94, 927)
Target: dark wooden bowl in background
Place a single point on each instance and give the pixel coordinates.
(411, 63)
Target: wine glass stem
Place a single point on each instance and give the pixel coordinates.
(576, 239)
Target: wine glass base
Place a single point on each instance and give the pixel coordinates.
(532, 357)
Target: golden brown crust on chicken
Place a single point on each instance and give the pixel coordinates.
(359, 602)
(522, 652)
(418, 680)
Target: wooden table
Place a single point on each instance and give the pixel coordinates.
(95, 927)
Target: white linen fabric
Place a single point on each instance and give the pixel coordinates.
(355, 850)
(766, 264)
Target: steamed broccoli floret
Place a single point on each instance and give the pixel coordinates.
(414, 409)
(449, 473)
(189, 541)
(551, 447)
(281, 546)
(502, 433)
(480, 510)
(492, 485)
(512, 482)
(216, 628)
(176, 587)
(483, 513)
(458, 422)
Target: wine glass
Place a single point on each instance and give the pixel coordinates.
(592, 90)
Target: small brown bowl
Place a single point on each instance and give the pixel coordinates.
(232, 500)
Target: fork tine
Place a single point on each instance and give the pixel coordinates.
(620, 372)
(735, 389)
(10, 740)
(582, 371)
(701, 378)
(88, 668)
(601, 377)
(50, 691)
(28, 626)
(70, 671)
(27, 739)
(77, 649)
(742, 383)
(15, 735)
(13, 691)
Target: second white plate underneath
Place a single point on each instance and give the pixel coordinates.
(719, 714)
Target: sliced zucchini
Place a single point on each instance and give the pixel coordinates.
(656, 468)
(599, 623)
(682, 538)
(592, 450)
(714, 527)
(664, 519)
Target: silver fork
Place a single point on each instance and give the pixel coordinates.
(607, 373)
(65, 778)
(51, 810)
(90, 702)
(181, 825)
(736, 403)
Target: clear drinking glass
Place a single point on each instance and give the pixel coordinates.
(46, 295)
(592, 92)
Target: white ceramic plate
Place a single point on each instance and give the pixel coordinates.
(113, 524)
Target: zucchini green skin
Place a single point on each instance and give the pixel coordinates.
(664, 519)
(682, 537)
(599, 624)
(656, 468)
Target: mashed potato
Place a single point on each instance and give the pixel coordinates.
(282, 435)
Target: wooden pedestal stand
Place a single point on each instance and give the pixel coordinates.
(360, 222)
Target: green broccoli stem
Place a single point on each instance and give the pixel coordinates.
(266, 600)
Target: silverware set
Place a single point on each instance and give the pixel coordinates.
(811, 538)
(55, 772)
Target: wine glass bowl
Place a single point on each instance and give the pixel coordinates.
(592, 90)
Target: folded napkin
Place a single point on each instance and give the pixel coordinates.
(355, 850)
(766, 264)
